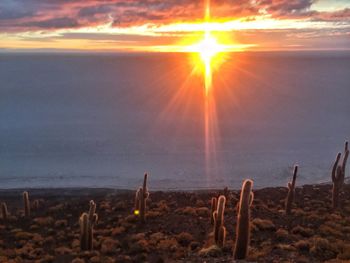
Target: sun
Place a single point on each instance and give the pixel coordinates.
(208, 48)
(210, 52)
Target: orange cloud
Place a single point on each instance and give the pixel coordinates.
(113, 24)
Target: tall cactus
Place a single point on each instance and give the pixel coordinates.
(338, 176)
(26, 204)
(243, 221)
(291, 191)
(140, 200)
(218, 215)
(214, 203)
(4, 211)
(87, 222)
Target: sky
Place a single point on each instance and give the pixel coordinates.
(169, 25)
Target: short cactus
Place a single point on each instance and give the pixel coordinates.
(338, 176)
(214, 203)
(87, 222)
(222, 236)
(4, 211)
(140, 200)
(26, 204)
(243, 221)
(218, 215)
(291, 191)
(36, 205)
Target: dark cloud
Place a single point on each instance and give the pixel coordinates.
(53, 23)
(283, 7)
(94, 10)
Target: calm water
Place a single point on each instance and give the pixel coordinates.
(102, 120)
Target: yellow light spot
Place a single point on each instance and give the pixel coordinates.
(210, 54)
(136, 212)
(208, 48)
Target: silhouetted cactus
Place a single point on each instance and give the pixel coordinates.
(87, 222)
(26, 204)
(36, 204)
(222, 236)
(291, 191)
(243, 221)
(140, 200)
(4, 211)
(338, 176)
(214, 203)
(218, 215)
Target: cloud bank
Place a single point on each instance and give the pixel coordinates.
(64, 19)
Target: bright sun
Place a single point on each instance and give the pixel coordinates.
(208, 48)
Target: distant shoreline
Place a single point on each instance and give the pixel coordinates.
(67, 191)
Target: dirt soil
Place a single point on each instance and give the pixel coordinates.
(177, 227)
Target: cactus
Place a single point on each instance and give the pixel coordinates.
(243, 221)
(222, 236)
(26, 204)
(291, 191)
(36, 205)
(140, 200)
(87, 222)
(218, 215)
(4, 211)
(214, 203)
(338, 176)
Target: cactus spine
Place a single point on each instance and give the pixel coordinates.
(140, 199)
(4, 211)
(243, 221)
(26, 204)
(291, 191)
(218, 215)
(87, 222)
(338, 176)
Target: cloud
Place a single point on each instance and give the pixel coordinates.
(43, 14)
(26, 20)
(53, 23)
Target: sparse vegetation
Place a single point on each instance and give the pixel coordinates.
(141, 197)
(243, 221)
(178, 230)
(87, 222)
(26, 203)
(338, 176)
(291, 191)
(177, 226)
(219, 228)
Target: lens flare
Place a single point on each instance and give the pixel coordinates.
(208, 49)
(210, 52)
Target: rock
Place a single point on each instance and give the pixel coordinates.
(118, 230)
(212, 251)
(263, 224)
(109, 246)
(23, 235)
(184, 238)
(203, 211)
(61, 223)
(63, 251)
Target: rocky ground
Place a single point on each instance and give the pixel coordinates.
(178, 227)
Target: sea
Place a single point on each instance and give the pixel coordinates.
(102, 120)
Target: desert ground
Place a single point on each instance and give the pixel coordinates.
(177, 226)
